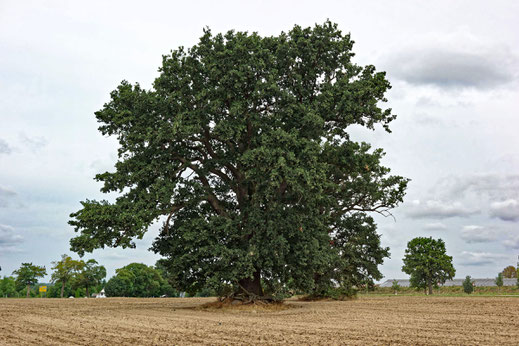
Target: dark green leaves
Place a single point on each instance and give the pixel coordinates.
(427, 262)
(242, 149)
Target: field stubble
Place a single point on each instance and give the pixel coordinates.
(367, 320)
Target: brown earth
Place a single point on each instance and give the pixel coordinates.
(367, 320)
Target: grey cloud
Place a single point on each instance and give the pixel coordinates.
(5, 195)
(478, 234)
(506, 210)
(488, 185)
(459, 60)
(435, 226)
(469, 258)
(512, 243)
(9, 239)
(4, 147)
(436, 209)
(34, 143)
(450, 69)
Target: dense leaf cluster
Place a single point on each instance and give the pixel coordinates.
(137, 280)
(468, 285)
(28, 274)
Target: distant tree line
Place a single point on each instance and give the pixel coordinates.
(70, 277)
(425, 261)
(78, 278)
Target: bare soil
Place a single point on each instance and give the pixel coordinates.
(159, 321)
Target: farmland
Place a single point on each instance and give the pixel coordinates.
(373, 320)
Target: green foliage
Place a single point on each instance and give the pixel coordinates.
(90, 275)
(451, 291)
(166, 289)
(28, 274)
(468, 285)
(137, 280)
(510, 272)
(395, 286)
(427, 262)
(65, 270)
(206, 292)
(120, 285)
(8, 287)
(242, 147)
(54, 291)
(499, 280)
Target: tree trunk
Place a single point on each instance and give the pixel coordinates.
(429, 283)
(28, 290)
(87, 295)
(251, 286)
(62, 288)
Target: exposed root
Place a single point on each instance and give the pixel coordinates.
(229, 303)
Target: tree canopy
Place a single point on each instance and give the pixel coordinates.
(137, 280)
(499, 280)
(242, 150)
(28, 274)
(90, 275)
(427, 262)
(65, 270)
(7, 286)
(510, 272)
(468, 285)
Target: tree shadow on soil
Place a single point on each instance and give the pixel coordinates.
(236, 305)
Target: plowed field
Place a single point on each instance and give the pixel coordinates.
(373, 320)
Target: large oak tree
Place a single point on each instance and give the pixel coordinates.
(242, 150)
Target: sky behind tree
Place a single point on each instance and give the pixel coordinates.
(453, 67)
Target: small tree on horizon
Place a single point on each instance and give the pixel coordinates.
(499, 280)
(28, 275)
(395, 286)
(90, 275)
(510, 272)
(468, 285)
(427, 262)
(64, 270)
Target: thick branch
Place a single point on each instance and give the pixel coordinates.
(173, 210)
(211, 198)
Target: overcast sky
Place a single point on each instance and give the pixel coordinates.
(453, 67)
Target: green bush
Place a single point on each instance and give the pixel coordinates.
(468, 286)
(395, 286)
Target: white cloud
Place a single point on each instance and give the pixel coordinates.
(506, 210)
(435, 226)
